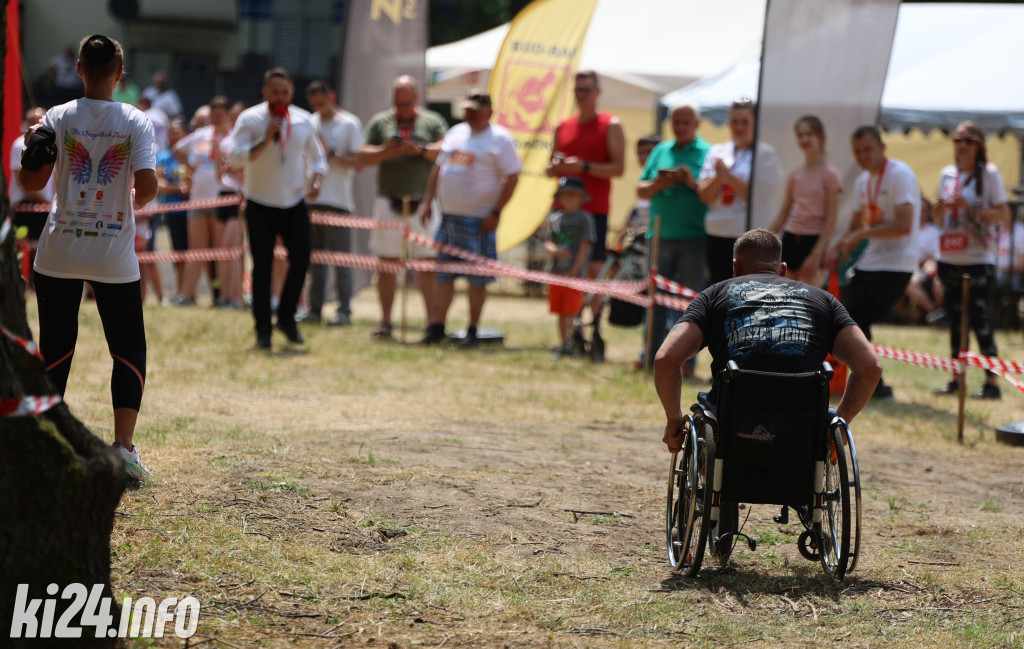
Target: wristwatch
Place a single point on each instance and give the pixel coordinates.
(586, 167)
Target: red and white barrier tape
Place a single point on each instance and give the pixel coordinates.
(666, 284)
(358, 222)
(993, 364)
(28, 405)
(917, 358)
(28, 345)
(158, 208)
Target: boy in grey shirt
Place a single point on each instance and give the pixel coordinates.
(572, 237)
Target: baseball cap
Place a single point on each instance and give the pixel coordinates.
(570, 184)
(475, 100)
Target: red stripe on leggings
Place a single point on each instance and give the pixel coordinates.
(62, 359)
(132, 368)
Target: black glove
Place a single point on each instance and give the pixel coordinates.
(41, 149)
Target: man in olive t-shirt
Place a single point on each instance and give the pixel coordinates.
(404, 140)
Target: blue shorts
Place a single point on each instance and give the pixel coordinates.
(464, 232)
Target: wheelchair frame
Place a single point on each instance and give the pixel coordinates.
(698, 519)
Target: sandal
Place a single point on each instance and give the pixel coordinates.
(383, 332)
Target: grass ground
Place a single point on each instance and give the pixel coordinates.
(355, 493)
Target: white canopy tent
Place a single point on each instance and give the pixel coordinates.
(655, 45)
(949, 63)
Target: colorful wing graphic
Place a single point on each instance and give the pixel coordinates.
(112, 161)
(79, 159)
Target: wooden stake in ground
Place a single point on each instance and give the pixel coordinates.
(961, 376)
(405, 263)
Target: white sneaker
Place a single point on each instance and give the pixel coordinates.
(133, 463)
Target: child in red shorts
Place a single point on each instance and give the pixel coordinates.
(572, 236)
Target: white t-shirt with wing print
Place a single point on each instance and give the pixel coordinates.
(90, 231)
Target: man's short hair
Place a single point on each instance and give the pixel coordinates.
(101, 57)
(651, 139)
(758, 246)
(318, 85)
(864, 131)
(686, 104)
(279, 73)
(589, 74)
(220, 101)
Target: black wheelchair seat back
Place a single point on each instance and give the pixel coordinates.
(772, 429)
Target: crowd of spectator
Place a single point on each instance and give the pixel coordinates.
(452, 185)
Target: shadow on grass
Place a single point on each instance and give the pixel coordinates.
(924, 411)
(742, 583)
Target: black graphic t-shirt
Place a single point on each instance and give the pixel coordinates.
(768, 323)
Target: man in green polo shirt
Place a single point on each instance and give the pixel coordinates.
(669, 180)
(404, 140)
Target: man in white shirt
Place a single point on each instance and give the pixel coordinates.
(164, 98)
(474, 177)
(277, 146)
(341, 134)
(887, 209)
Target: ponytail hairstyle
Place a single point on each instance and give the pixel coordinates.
(982, 159)
(814, 123)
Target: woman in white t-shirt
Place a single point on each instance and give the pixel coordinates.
(807, 217)
(204, 152)
(724, 185)
(972, 206)
(104, 161)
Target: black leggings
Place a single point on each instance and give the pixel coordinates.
(983, 287)
(120, 309)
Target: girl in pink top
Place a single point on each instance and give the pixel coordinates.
(807, 217)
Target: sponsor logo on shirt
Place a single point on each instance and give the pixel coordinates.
(99, 194)
(99, 225)
(108, 216)
(73, 222)
(81, 194)
(61, 222)
(78, 232)
(90, 233)
(114, 226)
(120, 216)
(67, 230)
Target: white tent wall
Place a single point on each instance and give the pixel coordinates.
(934, 44)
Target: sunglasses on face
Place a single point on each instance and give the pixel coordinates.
(964, 140)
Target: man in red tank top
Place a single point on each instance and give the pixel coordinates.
(591, 146)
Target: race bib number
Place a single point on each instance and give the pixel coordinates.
(953, 241)
(870, 215)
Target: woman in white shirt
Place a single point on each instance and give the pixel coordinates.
(103, 160)
(972, 206)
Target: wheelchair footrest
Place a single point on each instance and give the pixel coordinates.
(751, 543)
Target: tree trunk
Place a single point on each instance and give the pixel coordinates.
(60, 484)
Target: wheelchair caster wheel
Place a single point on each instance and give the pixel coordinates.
(808, 546)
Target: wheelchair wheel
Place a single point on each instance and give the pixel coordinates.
(853, 468)
(834, 530)
(687, 508)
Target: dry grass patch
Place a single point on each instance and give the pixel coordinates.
(359, 494)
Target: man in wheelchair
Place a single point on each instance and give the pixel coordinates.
(763, 321)
(768, 337)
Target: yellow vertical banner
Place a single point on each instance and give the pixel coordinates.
(531, 90)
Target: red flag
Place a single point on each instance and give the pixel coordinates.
(13, 111)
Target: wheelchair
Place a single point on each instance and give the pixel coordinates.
(773, 439)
